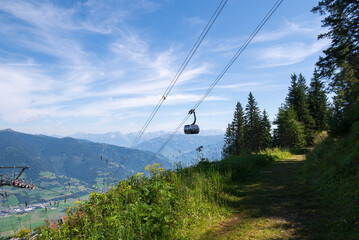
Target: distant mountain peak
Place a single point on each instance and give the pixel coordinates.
(7, 130)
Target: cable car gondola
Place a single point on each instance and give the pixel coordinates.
(192, 128)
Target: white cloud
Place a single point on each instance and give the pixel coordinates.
(193, 21)
(309, 29)
(287, 53)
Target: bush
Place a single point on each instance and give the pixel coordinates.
(333, 168)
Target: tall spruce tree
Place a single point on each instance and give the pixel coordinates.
(233, 142)
(228, 150)
(289, 132)
(317, 100)
(238, 131)
(340, 64)
(265, 129)
(297, 100)
(252, 125)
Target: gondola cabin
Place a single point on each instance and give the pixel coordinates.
(191, 128)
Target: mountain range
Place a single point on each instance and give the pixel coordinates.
(181, 148)
(77, 165)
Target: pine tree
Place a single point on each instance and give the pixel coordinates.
(227, 150)
(265, 128)
(317, 100)
(238, 131)
(289, 132)
(297, 100)
(340, 65)
(234, 134)
(252, 125)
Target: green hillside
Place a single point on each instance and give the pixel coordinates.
(65, 165)
(178, 205)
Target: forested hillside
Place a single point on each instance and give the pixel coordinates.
(58, 162)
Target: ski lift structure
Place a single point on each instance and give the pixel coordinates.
(192, 128)
(5, 180)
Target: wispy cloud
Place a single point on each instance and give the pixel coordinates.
(289, 29)
(287, 53)
(193, 21)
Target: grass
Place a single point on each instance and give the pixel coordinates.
(270, 204)
(184, 204)
(271, 195)
(332, 168)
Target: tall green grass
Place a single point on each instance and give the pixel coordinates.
(181, 204)
(332, 168)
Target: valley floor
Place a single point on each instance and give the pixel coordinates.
(274, 204)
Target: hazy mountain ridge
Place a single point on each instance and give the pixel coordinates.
(182, 148)
(116, 138)
(68, 160)
(68, 156)
(125, 140)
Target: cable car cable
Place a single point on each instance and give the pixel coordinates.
(230, 63)
(176, 77)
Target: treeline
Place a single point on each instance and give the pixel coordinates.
(249, 130)
(304, 113)
(306, 110)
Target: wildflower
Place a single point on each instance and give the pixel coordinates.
(161, 169)
(156, 164)
(129, 186)
(139, 174)
(68, 210)
(147, 167)
(77, 202)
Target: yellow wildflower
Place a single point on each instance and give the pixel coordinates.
(77, 202)
(68, 210)
(147, 167)
(139, 174)
(156, 164)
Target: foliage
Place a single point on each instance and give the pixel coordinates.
(234, 137)
(249, 130)
(340, 65)
(23, 234)
(317, 103)
(252, 125)
(333, 170)
(265, 131)
(228, 146)
(174, 205)
(297, 100)
(289, 132)
(159, 206)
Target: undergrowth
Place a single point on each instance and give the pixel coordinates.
(333, 169)
(181, 204)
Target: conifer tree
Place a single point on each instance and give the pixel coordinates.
(252, 125)
(234, 133)
(297, 100)
(265, 128)
(340, 64)
(317, 100)
(238, 131)
(227, 150)
(289, 132)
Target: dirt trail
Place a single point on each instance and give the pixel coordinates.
(275, 204)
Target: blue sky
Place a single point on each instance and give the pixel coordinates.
(101, 66)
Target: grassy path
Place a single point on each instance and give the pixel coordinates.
(274, 204)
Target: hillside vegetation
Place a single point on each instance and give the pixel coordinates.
(332, 168)
(177, 205)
